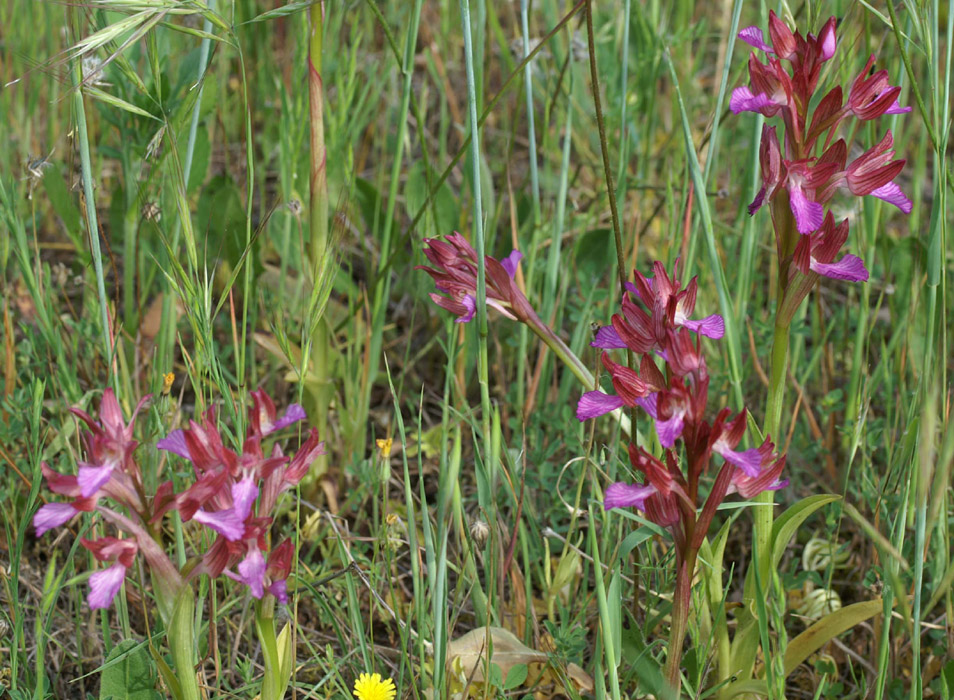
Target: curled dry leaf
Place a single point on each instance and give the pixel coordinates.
(466, 657)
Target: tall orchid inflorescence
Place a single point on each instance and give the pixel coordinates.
(800, 180)
(233, 495)
(654, 323)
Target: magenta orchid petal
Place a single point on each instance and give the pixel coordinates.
(757, 202)
(244, 494)
(608, 339)
(622, 495)
(53, 515)
(669, 430)
(808, 214)
(471, 305)
(175, 443)
(279, 589)
(252, 572)
(896, 108)
(596, 403)
(892, 194)
(294, 414)
(749, 461)
(104, 585)
(850, 268)
(743, 100)
(648, 404)
(711, 326)
(91, 478)
(509, 263)
(753, 37)
(225, 522)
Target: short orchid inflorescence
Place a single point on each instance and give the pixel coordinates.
(800, 180)
(654, 324)
(233, 495)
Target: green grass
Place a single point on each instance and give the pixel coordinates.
(192, 162)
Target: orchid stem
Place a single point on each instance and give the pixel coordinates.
(680, 617)
(764, 515)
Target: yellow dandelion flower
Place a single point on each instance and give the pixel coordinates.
(372, 687)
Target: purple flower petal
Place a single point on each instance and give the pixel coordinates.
(608, 339)
(91, 478)
(896, 108)
(510, 263)
(743, 100)
(596, 403)
(252, 572)
(849, 268)
(293, 414)
(669, 430)
(53, 515)
(711, 326)
(757, 202)
(244, 494)
(808, 214)
(749, 461)
(892, 194)
(104, 585)
(753, 37)
(279, 589)
(648, 404)
(175, 443)
(471, 305)
(621, 495)
(225, 522)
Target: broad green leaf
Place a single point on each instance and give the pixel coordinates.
(810, 641)
(182, 642)
(168, 675)
(788, 522)
(516, 677)
(826, 629)
(286, 656)
(129, 673)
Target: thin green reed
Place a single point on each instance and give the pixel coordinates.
(715, 262)
(92, 224)
(383, 291)
(553, 257)
(534, 187)
(167, 325)
(604, 151)
(625, 19)
(723, 83)
(478, 227)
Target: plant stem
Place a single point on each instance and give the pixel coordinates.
(318, 194)
(681, 599)
(92, 225)
(773, 415)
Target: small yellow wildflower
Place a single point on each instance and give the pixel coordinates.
(371, 687)
(384, 444)
(167, 379)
